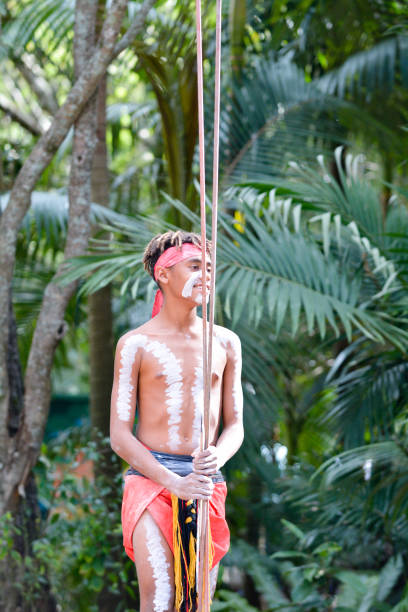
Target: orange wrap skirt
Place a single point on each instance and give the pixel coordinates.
(142, 494)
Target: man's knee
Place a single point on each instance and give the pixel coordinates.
(154, 600)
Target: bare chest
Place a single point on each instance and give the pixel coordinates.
(170, 361)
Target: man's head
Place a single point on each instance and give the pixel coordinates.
(173, 259)
(162, 242)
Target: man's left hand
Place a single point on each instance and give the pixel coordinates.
(206, 461)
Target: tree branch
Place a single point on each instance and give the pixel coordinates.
(56, 297)
(135, 28)
(27, 122)
(38, 85)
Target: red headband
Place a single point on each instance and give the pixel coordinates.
(170, 257)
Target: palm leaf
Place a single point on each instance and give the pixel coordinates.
(47, 218)
(295, 269)
(352, 462)
(370, 391)
(273, 116)
(352, 197)
(52, 18)
(370, 70)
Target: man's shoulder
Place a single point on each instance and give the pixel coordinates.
(226, 336)
(139, 335)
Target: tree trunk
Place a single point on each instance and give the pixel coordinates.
(99, 303)
(26, 511)
(100, 320)
(237, 23)
(16, 468)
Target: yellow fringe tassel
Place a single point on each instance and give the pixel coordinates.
(177, 554)
(192, 567)
(180, 556)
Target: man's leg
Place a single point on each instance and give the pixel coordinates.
(154, 566)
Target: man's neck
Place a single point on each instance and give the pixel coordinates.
(178, 318)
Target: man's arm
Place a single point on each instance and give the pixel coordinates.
(210, 460)
(123, 406)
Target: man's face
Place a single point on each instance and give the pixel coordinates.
(185, 278)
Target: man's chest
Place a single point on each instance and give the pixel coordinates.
(175, 361)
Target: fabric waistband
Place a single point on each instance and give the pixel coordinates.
(182, 465)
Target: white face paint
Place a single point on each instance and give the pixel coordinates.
(125, 386)
(198, 397)
(173, 375)
(199, 298)
(228, 339)
(160, 566)
(188, 287)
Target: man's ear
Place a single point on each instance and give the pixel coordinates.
(162, 276)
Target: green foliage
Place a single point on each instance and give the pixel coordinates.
(28, 574)
(79, 549)
(263, 127)
(371, 70)
(226, 601)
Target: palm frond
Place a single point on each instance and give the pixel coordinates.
(370, 391)
(47, 218)
(396, 228)
(354, 462)
(351, 201)
(370, 70)
(272, 117)
(257, 565)
(53, 18)
(352, 196)
(267, 268)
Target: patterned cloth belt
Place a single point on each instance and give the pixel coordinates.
(182, 465)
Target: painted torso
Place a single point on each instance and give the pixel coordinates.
(162, 372)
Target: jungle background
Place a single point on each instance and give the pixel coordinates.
(98, 152)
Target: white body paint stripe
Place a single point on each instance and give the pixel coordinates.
(174, 380)
(174, 391)
(125, 387)
(160, 566)
(230, 339)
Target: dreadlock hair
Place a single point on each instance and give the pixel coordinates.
(161, 242)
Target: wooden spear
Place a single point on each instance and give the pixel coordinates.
(203, 536)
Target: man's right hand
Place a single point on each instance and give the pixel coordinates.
(193, 486)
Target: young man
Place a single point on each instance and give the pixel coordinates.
(159, 367)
